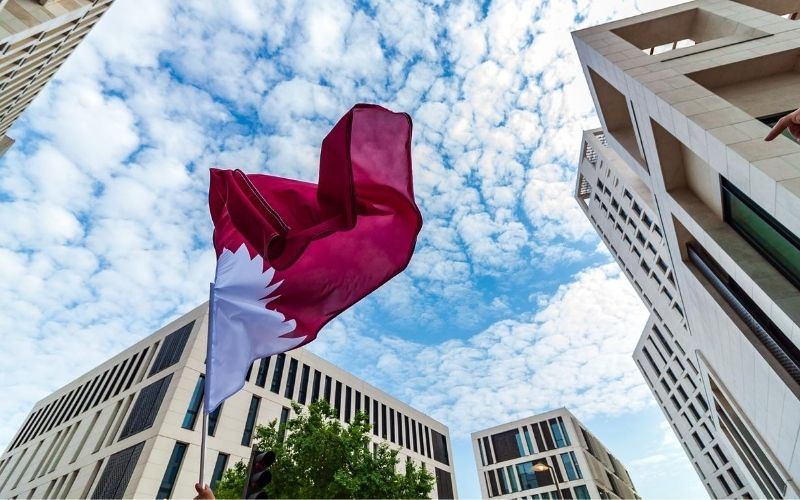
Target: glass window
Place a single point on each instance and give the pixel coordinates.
(315, 386)
(194, 404)
(358, 401)
(301, 396)
(501, 477)
(768, 236)
(391, 426)
(219, 469)
(213, 419)
(527, 477)
(383, 421)
(348, 396)
(277, 375)
(290, 378)
(327, 389)
(284, 418)
(528, 441)
(512, 478)
(570, 466)
(261, 376)
(174, 465)
(252, 413)
(563, 430)
(520, 447)
(582, 493)
(375, 417)
(558, 436)
(337, 399)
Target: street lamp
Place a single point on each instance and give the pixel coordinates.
(542, 467)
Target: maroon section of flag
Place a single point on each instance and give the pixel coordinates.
(300, 253)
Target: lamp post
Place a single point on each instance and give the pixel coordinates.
(543, 466)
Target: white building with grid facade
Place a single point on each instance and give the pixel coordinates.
(36, 37)
(130, 428)
(702, 216)
(579, 465)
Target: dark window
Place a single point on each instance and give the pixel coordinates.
(328, 389)
(537, 436)
(290, 377)
(146, 407)
(440, 447)
(174, 465)
(358, 401)
(768, 236)
(375, 417)
(428, 442)
(366, 406)
(261, 376)
(527, 477)
(444, 484)
(118, 471)
(249, 372)
(493, 483)
(421, 439)
(301, 395)
(766, 333)
(725, 486)
(548, 439)
(252, 413)
(558, 435)
(171, 348)
(315, 386)
(194, 404)
(391, 426)
(136, 369)
(408, 434)
(277, 375)
(213, 419)
(348, 395)
(219, 469)
(126, 374)
(383, 421)
(399, 428)
(337, 399)
(486, 447)
(414, 434)
(505, 445)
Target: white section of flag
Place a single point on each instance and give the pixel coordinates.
(241, 326)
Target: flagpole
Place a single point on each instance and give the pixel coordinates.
(205, 399)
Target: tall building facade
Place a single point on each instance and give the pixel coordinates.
(36, 37)
(577, 465)
(703, 216)
(131, 428)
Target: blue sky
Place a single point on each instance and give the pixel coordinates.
(510, 306)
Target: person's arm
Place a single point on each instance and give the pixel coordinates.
(790, 121)
(203, 492)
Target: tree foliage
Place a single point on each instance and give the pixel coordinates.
(318, 457)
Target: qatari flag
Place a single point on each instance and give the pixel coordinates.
(293, 255)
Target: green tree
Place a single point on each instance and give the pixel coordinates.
(318, 457)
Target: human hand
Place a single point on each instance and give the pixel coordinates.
(790, 121)
(203, 492)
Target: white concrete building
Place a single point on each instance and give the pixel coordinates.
(130, 428)
(702, 216)
(579, 465)
(36, 37)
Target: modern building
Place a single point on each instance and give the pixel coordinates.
(703, 217)
(131, 427)
(36, 37)
(535, 456)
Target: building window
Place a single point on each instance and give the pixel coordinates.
(571, 466)
(506, 445)
(768, 236)
(194, 404)
(219, 469)
(337, 399)
(171, 349)
(261, 376)
(213, 419)
(147, 405)
(527, 477)
(512, 479)
(358, 401)
(444, 484)
(348, 395)
(277, 375)
(290, 378)
(391, 426)
(383, 421)
(284, 419)
(301, 396)
(375, 417)
(559, 432)
(252, 413)
(783, 350)
(582, 493)
(315, 386)
(327, 395)
(174, 465)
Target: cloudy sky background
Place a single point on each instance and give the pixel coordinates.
(510, 306)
